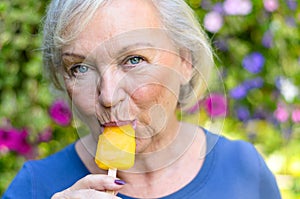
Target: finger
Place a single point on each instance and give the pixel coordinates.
(98, 182)
(84, 193)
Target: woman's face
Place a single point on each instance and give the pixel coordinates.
(122, 69)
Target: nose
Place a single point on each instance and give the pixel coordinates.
(110, 88)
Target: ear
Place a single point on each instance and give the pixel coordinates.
(186, 69)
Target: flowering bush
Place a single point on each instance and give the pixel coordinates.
(60, 113)
(12, 139)
(33, 123)
(257, 43)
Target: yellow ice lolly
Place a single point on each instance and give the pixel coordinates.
(116, 148)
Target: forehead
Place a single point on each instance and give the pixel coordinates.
(119, 16)
(118, 27)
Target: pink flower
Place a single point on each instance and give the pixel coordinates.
(3, 150)
(195, 108)
(216, 105)
(296, 116)
(60, 113)
(23, 146)
(271, 5)
(45, 135)
(15, 140)
(9, 137)
(237, 7)
(213, 21)
(281, 114)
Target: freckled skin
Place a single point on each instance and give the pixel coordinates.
(134, 73)
(107, 92)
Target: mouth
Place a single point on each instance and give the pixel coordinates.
(120, 123)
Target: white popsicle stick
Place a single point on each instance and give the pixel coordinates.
(112, 173)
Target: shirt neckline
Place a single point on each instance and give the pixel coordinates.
(203, 175)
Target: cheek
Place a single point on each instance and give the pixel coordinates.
(147, 95)
(82, 94)
(155, 104)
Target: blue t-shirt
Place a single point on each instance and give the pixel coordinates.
(231, 170)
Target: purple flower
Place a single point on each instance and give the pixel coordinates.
(237, 7)
(255, 83)
(242, 113)
(271, 5)
(213, 21)
(216, 105)
(221, 44)
(239, 92)
(60, 112)
(267, 40)
(287, 132)
(260, 114)
(15, 140)
(290, 21)
(206, 4)
(218, 7)
(278, 81)
(254, 62)
(292, 4)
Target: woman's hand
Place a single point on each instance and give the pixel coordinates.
(92, 186)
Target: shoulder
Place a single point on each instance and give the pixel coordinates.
(234, 150)
(21, 184)
(55, 161)
(59, 170)
(242, 157)
(233, 158)
(239, 161)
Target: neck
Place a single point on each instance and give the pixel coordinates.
(164, 149)
(168, 170)
(161, 172)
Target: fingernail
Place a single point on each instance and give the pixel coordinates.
(120, 182)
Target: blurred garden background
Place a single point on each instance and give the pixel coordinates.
(257, 47)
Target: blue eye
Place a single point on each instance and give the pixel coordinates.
(79, 68)
(134, 60)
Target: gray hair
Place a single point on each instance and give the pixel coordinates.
(177, 17)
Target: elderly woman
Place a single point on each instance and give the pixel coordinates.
(137, 62)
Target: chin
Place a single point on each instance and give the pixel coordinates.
(142, 146)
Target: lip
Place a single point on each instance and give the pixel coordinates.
(120, 123)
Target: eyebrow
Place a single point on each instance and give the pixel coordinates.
(74, 55)
(131, 47)
(119, 52)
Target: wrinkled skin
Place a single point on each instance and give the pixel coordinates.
(118, 71)
(124, 69)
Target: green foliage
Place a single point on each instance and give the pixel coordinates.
(26, 96)
(24, 93)
(274, 131)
